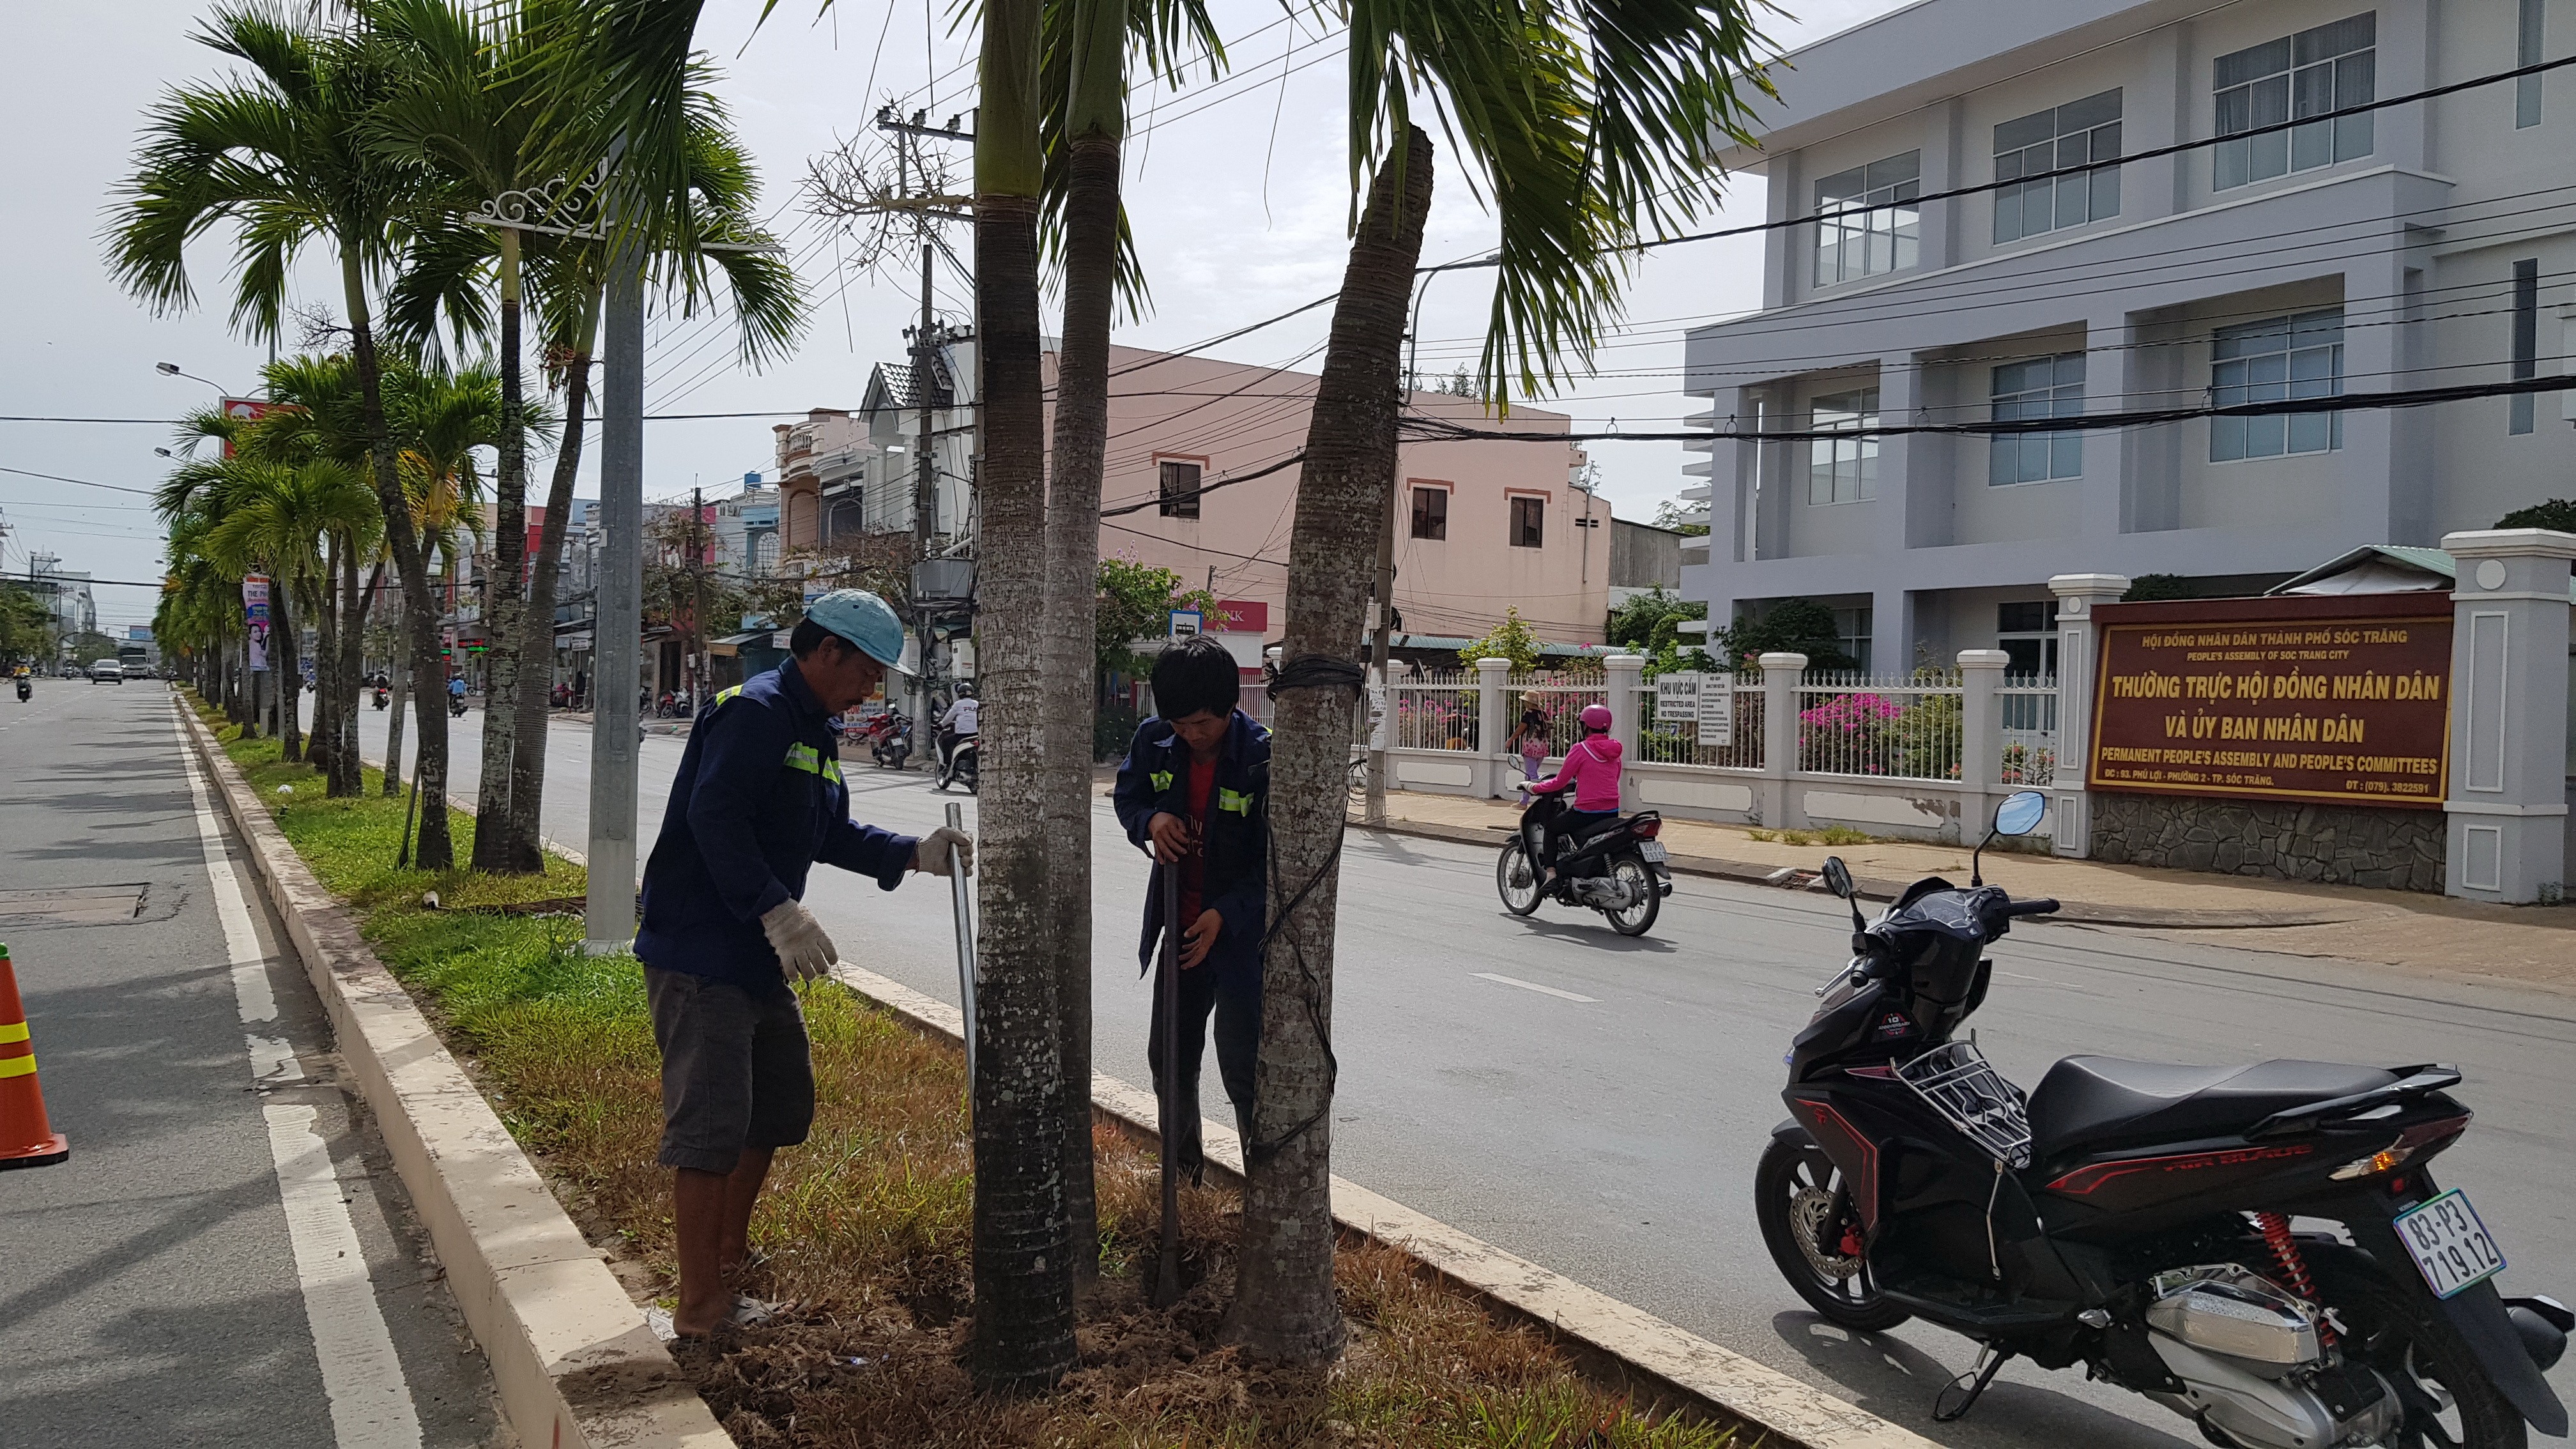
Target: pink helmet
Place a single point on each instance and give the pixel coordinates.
(1596, 717)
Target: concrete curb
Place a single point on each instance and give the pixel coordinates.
(1634, 1344)
(575, 1364)
(2082, 913)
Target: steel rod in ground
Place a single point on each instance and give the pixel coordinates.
(962, 900)
(1167, 1005)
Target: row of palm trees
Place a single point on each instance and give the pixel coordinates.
(375, 136)
(1585, 126)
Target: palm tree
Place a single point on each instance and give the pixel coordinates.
(1581, 125)
(276, 517)
(283, 153)
(1085, 83)
(485, 114)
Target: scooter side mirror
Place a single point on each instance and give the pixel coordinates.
(2021, 813)
(1838, 877)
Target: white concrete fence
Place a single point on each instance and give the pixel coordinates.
(1927, 756)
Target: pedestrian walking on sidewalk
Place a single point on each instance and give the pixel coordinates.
(1194, 793)
(758, 800)
(1529, 739)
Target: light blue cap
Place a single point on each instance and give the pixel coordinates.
(865, 621)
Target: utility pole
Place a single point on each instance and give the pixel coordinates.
(609, 919)
(700, 666)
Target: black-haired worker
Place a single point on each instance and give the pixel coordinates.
(1193, 792)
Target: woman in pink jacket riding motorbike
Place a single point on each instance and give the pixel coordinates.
(1591, 770)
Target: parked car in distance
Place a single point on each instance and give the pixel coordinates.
(107, 671)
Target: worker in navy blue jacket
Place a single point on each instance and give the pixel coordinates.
(1194, 793)
(758, 800)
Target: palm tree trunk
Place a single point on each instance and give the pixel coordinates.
(501, 611)
(286, 698)
(323, 749)
(1284, 1307)
(537, 630)
(394, 728)
(420, 611)
(1023, 1274)
(1095, 118)
(350, 778)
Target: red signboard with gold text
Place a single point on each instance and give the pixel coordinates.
(2343, 698)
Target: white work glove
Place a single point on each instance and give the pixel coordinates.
(804, 952)
(931, 855)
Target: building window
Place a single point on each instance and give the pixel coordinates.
(1431, 513)
(2307, 74)
(1529, 522)
(2526, 339)
(2027, 633)
(764, 553)
(1180, 497)
(2283, 357)
(1866, 219)
(1843, 470)
(1851, 632)
(2073, 134)
(2044, 387)
(2526, 51)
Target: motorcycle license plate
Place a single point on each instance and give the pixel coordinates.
(1652, 850)
(2449, 1245)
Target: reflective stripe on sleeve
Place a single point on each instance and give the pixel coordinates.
(1238, 801)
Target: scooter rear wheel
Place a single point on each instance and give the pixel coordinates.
(2447, 1395)
(1637, 879)
(1794, 1192)
(1516, 879)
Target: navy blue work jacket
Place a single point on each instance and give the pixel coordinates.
(1155, 779)
(757, 801)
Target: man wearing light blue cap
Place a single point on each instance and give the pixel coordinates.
(758, 800)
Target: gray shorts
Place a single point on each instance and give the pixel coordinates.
(736, 1071)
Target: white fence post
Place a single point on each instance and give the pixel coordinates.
(1781, 674)
(1981, 737)
(2506, 837)
(2070, 824)
(1493, 710)
(1627, 679)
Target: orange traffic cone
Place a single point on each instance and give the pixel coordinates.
(26, 1139)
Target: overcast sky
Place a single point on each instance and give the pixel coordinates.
(1238, 193)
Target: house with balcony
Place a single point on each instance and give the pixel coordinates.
(844, 474)
(2426, 244)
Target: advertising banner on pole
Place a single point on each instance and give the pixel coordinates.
(255, 616)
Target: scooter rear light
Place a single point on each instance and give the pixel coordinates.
(1649, 828)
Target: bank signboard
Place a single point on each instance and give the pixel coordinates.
(2341, 698)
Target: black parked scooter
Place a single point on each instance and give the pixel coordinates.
(1616, 867)
(2134, 1217)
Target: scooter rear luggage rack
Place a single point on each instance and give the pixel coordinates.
(1956, 1080)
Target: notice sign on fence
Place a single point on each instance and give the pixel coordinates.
(1716, 711)
(1676, 698)
(2342, 698)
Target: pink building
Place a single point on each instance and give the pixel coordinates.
(1486, 524)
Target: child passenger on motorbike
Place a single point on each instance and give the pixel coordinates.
(1591, 770)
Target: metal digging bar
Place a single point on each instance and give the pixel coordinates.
(1167, 1008)
(961, 899)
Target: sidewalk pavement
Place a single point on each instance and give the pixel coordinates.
(2531, 945)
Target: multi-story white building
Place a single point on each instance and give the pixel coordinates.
(2426, 244)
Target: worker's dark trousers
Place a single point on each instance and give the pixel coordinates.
(1234, 997)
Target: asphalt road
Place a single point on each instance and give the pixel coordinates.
(227, 1258)
(1613, 1137)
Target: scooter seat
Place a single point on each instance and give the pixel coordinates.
(2099, 1102)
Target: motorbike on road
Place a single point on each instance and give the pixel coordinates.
(456, 705)
(890, 740)
(963, 766)
(2136, 1217)
(1617, 867)
(26, 689)
(384, 696)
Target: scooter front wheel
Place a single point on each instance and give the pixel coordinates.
(1517, 879)
(1801, 1202)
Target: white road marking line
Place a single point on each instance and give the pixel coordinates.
(1530, 986)
(362, 1376)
